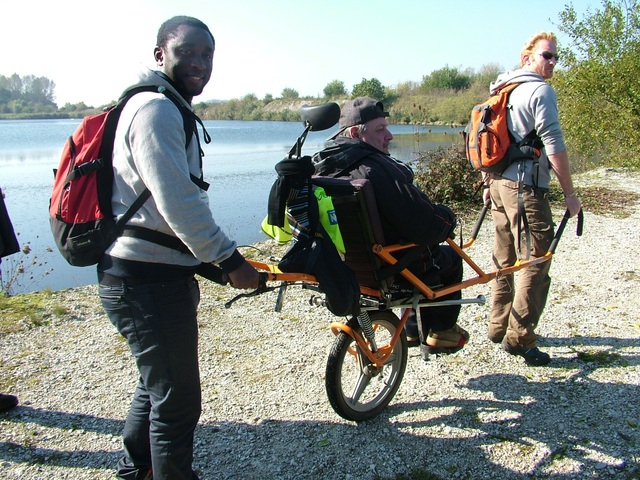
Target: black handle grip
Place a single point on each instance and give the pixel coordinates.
(483, 213)
(563, 223)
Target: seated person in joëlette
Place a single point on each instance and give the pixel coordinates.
(360, 150)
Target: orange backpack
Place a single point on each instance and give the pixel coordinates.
(489, 145)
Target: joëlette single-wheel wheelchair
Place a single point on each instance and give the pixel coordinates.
(368, 358)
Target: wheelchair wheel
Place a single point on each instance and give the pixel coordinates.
(356, 389)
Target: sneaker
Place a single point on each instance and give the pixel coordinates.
(7, 402)
(447, 341)
(532, 356)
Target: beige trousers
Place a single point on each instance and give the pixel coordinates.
(516, 307)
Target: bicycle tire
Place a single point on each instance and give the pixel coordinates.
(356, 393)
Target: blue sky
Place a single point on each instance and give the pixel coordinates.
(265, 46)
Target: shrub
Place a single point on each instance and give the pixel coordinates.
(446, 176)
(18, 271)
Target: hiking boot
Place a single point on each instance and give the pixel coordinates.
(7, 402)
(447, 341)
(532, 356)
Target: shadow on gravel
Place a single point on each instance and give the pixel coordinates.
(534, 424)
(575, 418)
(530, 415)
(77, 425)
(573, 422)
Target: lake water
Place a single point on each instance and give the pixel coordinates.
(239, 164)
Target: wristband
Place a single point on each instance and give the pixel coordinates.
(571, 195)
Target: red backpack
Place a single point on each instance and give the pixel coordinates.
(81, 218)
(489, 145)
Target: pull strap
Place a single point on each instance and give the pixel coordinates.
(523, 226)
(523, 223)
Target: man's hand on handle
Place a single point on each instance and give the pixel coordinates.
(245, 276)
(573, 204)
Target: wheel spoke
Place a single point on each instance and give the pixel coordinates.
(391, 358)
(362, 381)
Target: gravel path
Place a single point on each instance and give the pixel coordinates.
(479, 414)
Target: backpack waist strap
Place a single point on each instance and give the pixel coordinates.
(156, 237)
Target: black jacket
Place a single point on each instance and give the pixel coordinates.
(407, 213)
(8, 241)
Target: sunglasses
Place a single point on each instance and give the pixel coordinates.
(548, 55)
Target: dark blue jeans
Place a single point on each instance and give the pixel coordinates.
(159, 321)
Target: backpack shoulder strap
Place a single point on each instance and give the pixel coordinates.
(508, 88)
(189, 122)
(530, 139)
(190, 119)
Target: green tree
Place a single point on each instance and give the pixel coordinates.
(13, 84)
(28, 94)
(599, 92)
(487, 74)
(38, 90)
(446, 78)
(334, 89)
(406, 88)
(5, 95)
(369, 88)
(289, 93)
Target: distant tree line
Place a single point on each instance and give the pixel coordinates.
(33, 97)
(597, 85)
(444, 96)
(28, 94)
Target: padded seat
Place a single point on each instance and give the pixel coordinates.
(355, 207)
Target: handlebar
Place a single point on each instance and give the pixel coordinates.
(262, 288)
(478, 224)
(563, 224)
